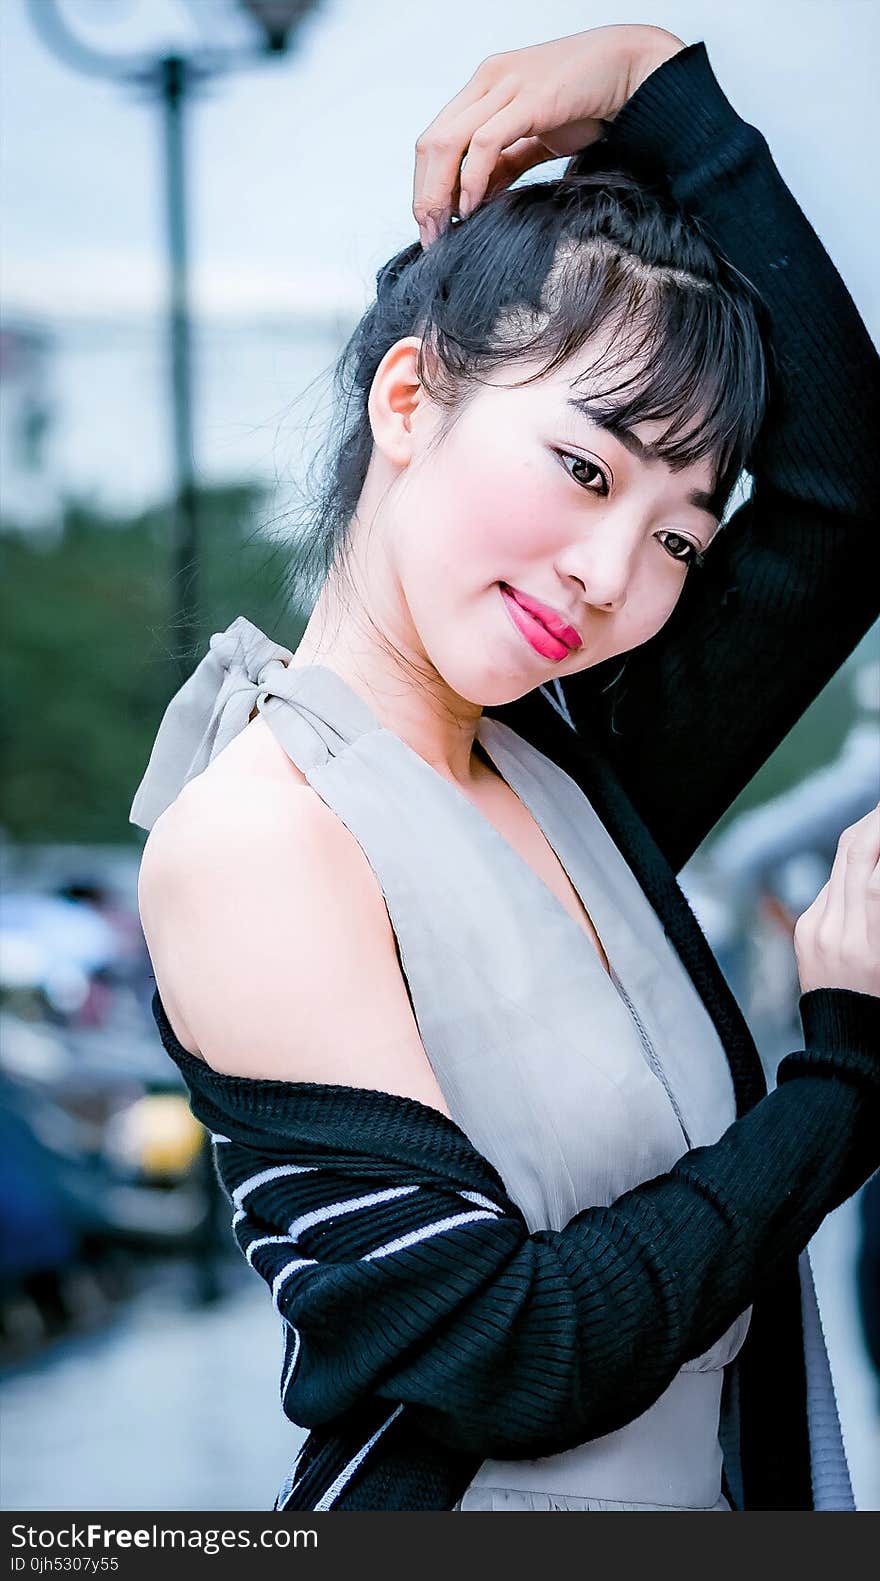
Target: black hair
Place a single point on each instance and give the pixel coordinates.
(535, 272)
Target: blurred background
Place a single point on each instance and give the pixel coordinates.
(197, 196)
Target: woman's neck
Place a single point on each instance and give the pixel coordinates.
(407, 697)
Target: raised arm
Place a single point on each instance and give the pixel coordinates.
(792, 581)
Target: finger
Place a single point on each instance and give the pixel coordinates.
(862, 852)
(506, 127)
(443, 145)
(864, 834)
(523, 155)
(867, 829)
(856, 847)
(833, 915)
(817, 906)
(872, 913)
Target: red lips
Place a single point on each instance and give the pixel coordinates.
(549, 617)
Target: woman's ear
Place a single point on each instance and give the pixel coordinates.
(397, 398)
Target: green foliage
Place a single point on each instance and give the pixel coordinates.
(88, 666)
(816, 739)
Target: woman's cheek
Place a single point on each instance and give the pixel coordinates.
(647, 611)
(503, 522)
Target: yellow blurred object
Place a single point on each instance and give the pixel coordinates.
(160, 1134)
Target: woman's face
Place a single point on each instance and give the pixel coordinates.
(526, 492)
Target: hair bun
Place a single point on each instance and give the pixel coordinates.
(390, 272)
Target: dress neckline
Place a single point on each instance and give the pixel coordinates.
(352, 711)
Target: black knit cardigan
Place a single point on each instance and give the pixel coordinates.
(426, 1329)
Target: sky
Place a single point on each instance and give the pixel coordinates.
(300, 177)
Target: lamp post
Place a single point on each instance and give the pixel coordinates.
(172, 80)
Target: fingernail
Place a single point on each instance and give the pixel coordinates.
(464, 205)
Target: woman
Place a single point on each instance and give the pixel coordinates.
(544, 415)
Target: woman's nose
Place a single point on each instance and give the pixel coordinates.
(605, 568)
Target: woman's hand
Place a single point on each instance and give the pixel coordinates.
(524, 106)
(837, 939)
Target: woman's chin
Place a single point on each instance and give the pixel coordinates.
(485, 688)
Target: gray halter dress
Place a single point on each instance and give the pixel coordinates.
(577, 1086)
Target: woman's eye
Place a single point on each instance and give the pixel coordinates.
(679, 548)
(581, 461)
(691, 556)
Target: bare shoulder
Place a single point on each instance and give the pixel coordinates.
(270, 939)
(229, 801)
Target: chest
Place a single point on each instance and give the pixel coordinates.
(496, 802)
(577, 1081)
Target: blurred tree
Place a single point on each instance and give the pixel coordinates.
(816, 739)
(87, 665)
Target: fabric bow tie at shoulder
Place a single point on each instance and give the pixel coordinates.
(211, 707)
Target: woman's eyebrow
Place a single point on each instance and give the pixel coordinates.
(700, 498)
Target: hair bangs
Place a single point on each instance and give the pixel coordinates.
(690, 354)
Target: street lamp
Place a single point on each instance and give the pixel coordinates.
(172, 79)
(277, 18)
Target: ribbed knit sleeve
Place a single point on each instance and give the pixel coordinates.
(837, 1023)
(405, 1274)
(790, 583)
